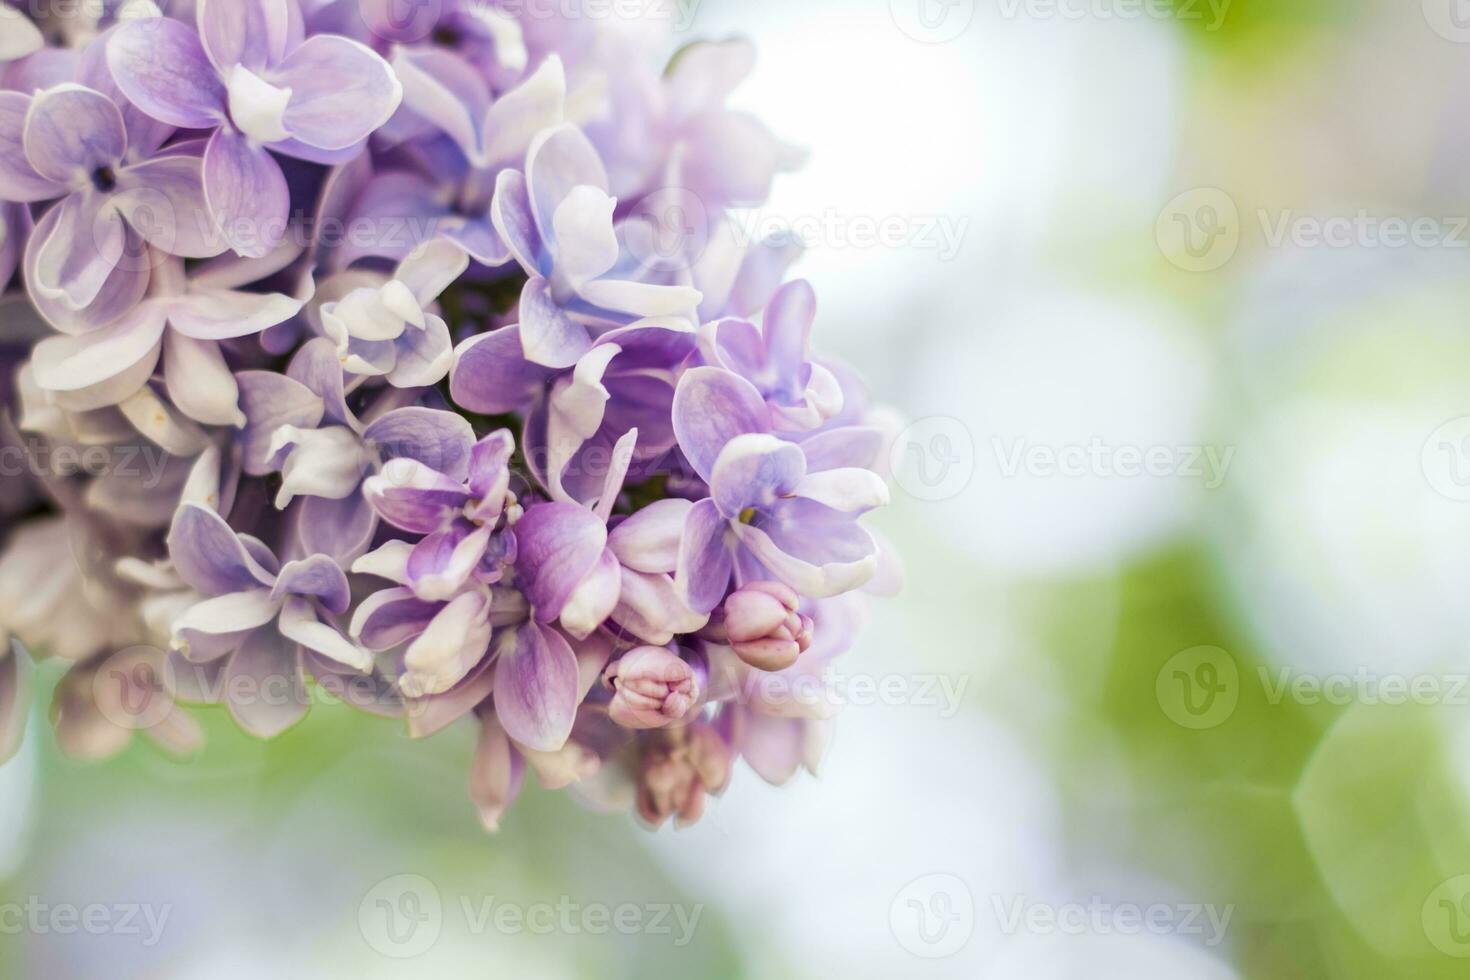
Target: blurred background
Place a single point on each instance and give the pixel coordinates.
(1174, 295)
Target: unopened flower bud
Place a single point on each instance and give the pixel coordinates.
(651, 688)
(764, 627)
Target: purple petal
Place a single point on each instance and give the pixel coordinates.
(223, 314)
(263, 685)
(317, 577)
(440, 440)
(594, 598)
(19, 181)
(559, 545)
(705, 561)
(774, 747)
(215, 627)
(253, 33)
(72, 132)
(788, 327)
(246, 192)
(536, 688)
(491, 376)
(537, 104)
(442, 88)
(301, 622)
(431, 715)
(649, 540)
(559, 160)
(210, 556)
(452, 645)
(496, 774)
(753, 471)
(549, 337)
(843, 447)
(341, 91)
(411, 496)
(850, 490)
(160, 66)
(816, 550)
(391, 618)
(423, 357)
(82, 363)
(316, 366)
(163, 200)
(490, 470)
(51, 244)
(269, 401)
(441, 564)
(711, 407)
(340, 529)
(199, 382)
(78, 254)
(510, 212)
(650, 608)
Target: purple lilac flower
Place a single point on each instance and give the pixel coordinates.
(770, 514)
(557, 219)
(86, 261)
(250, 75)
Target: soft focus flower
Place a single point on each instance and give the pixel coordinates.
(764, 627)
(375, 369)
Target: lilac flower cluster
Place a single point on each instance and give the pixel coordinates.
(461, 395)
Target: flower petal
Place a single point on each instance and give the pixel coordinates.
(209, 555)
(454, 642)
(299, 622)
(536, 687)
(19, 181)
(160, 66)
(705, 559)
(711, 407)
(199, 381)
(558, 544)
(392, 617)
(263, 686)
(253, 33)
(649, 540)
(549, 337)
(164, 202)
(317, 577)
(341, 91)
(269, 401)
(753, 471)
(440, 440)
(411, 496)
(492, 377)
(246, 192)
(73, 131)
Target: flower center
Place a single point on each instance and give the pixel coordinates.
(104, 180)
(747, 516)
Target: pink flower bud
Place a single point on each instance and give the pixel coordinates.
(676, 771)
(651, 688)
(764, 627)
